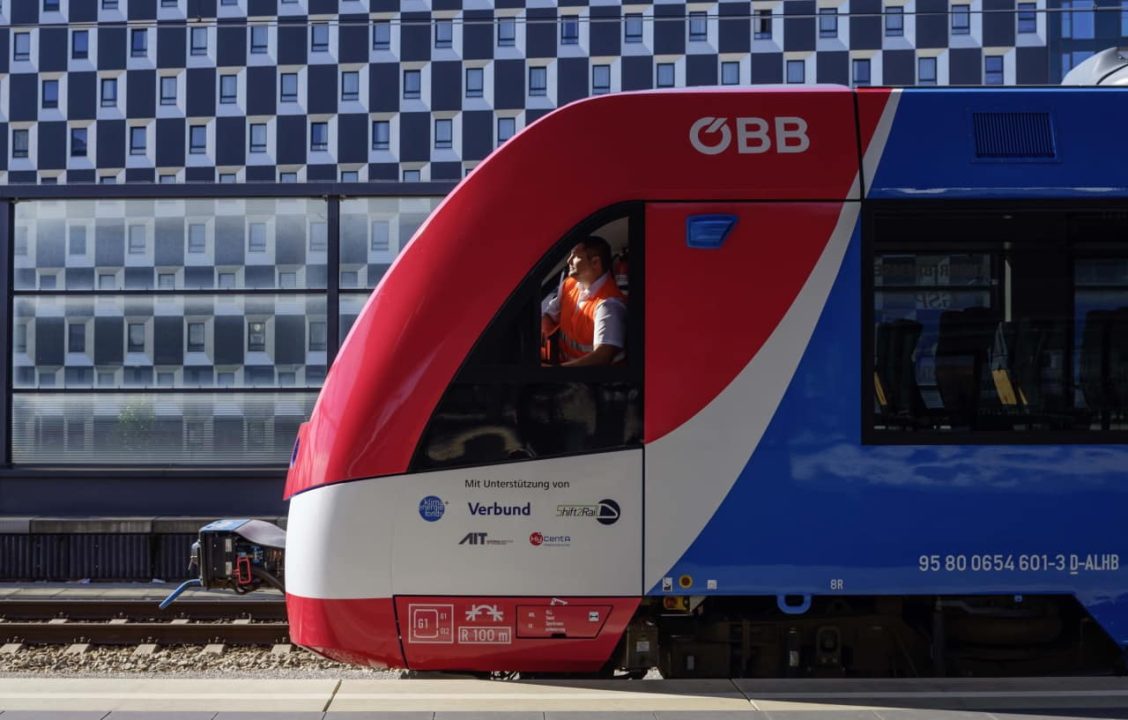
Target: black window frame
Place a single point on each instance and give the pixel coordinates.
(415, 91)
(1061, 211)
(962, 13)
(318, 136)
(195, 148)
(600, 86)
(21, 54)
(381, 34)
(444, 34)
(258, 48)
(108, 99)
(726, 65)
(935, 70)
(894, 21)
(569, 29)
(444, 140)
(828, 23)
(134, 147)
(697, 26)
(168, 81)
(253, 145)
(762, 20)
(507, 31)
(228, 81)
(197, 48)
(78, 53)
(348, 95)
(377, 142)
(319, 44)
(632, 29)
(476, 90)
(138, 49)
(661, 69)
(51, 103)
(76, 336)
(539, 73)
(1026, 18)
(283, 95)
(21, 149)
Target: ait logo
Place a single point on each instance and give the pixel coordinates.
(536, 539)
(431, 508)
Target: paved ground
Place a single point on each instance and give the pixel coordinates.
(119, 699)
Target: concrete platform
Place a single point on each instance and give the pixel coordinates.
(431, 699)
(156, 591)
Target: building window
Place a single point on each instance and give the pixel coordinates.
(569, 30)
(137, 137)
(1027, 17)
(80, 44)
(474, 82)
(226, 281)
(317, 336)
(289, 87)
(961, 19)
(260, 38)
(318, 236)
(600, 79)
(196, 337)
(861, 71)
(1077, 19)
(256, 237)
(444, 133)
(993, 70)
(76, 338)
(20, 142)
(199, 44)
(136, 239)
(138, 42)
(506, 128)
(381, 134)
(136, 337)
(538, 81)
(381, 236)
(21, 338)
(350, 85)
(109, 92)
(796, 71)
(632, 28)
(444, 34)
(168, 90)
(109, 4)
(256, 336)
(318, 136)
(228, 89)
(664, 73)
(198, 139)
(170, 3)
(167, 179)
(21, 46)
(763, 25)
(50, 94)
(895, 21)
(107, 281)
(828, 22)
(77, 244)
(319, 37)
(926, 71)
(382, 35)
(506, 32)
(258, 137)
(412, 84)
(50, 5)
(108, 180)
(730, 73)
(346, 176)
(698, 26)
(197, 238)
(166, 281)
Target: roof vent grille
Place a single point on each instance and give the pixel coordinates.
(1013, 135)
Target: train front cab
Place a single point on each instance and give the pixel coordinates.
(723, 501)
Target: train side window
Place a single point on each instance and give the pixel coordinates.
(994, 325)
(517, 397)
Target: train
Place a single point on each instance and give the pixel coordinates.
(869, 419)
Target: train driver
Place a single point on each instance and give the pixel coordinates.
(588, 309)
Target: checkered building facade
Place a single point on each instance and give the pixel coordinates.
(385, 90)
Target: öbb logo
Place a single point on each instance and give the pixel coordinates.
(754, 135)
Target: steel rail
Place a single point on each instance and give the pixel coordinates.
(21, 610)
(136, 633)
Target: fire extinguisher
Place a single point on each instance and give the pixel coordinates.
(620, 267)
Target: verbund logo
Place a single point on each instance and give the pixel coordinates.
(754, 135)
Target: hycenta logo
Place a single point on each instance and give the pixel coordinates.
(497, 509)
(754, 135)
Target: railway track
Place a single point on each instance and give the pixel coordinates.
(67, 622)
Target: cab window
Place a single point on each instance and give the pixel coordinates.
(521, 395)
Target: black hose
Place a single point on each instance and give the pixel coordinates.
(268, 578)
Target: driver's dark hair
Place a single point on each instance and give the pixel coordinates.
(596, 245)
